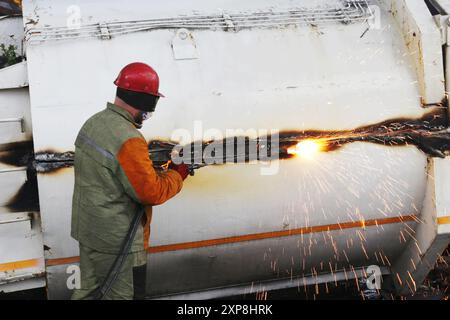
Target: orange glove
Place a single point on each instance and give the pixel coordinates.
(182, 169)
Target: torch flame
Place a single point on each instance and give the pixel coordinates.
(306, 149)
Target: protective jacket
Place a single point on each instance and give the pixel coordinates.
(114, 178)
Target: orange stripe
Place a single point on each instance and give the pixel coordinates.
(259, 236)
(19, 265)
(443, 220)
(57, 262)
(278, 234)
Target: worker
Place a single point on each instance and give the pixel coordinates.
(114, 179)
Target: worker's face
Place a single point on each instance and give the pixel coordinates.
(143, 116)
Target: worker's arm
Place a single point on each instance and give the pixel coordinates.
(140, 179)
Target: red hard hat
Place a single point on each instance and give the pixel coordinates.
(139, 77)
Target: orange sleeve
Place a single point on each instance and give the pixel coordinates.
(147, 186)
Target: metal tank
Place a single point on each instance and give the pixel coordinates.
(363, 80)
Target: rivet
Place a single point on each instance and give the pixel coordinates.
(183, 35)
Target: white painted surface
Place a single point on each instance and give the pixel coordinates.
(431, 236)
(423, 38)
(287, 76)
(442, 201)
(56, 207)
(15, 76)
(15, 104)
(21, 241)
(11, 182)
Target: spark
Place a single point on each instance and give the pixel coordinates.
(307, 149)
(388, 262)
(399, 279)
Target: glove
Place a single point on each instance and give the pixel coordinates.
(182, 169)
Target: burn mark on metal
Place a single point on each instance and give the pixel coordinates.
(27, 198)
(50, 161)
(18, 154)
(429, 133)
(22, 155)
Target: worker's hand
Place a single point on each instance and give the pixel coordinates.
(182, 169)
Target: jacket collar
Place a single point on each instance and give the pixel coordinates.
(124, 113)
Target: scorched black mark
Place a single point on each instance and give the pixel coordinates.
(27, 198)
(47, 161)
(18, 154)
(429, 133)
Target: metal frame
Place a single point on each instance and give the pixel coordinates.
(272, 285)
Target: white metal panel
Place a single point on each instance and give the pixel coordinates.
(20, 241)
(442, 200)
(60, 13)
(26, 284)
(423, 39)
(288, 71)
(272, 259)
(56, 209)
(15, 76)
(11, 182)
(344, 186)
(14, 106)
(15, 232)
(432, 234)
(14, 217)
